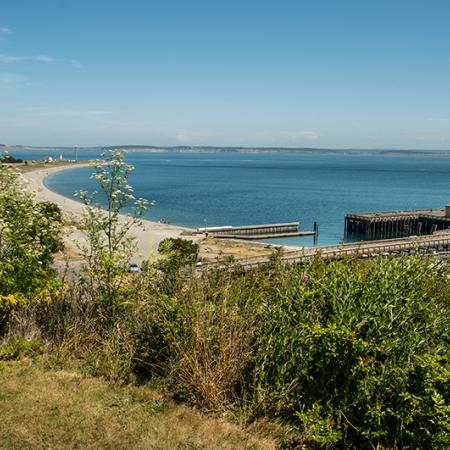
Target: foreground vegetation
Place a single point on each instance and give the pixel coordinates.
(341, 354)
(43, 408)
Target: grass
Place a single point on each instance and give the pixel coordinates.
(213, 248)
(62, 409)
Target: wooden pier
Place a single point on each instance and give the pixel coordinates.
(435, 243)
(398, 223)
(267, 231)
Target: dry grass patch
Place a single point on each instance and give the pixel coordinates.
(212, 248)
(48, 409)
(30, 166)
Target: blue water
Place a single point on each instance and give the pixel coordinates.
(211, 189)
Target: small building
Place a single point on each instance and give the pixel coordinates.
(47, 159)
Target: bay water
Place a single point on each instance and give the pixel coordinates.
(215, 189)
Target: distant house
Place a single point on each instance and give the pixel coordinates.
(47, 159)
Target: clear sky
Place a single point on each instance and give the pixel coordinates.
(320, 73)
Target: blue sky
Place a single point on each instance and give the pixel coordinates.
(322, 73)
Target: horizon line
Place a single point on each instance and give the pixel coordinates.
(231, 147)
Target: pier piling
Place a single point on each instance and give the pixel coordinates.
(397, 223)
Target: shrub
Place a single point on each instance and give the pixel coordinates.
(207, 344)
(15, 348)
(9, 303)
(179, 247)
(346, 353)
(177, 253)
(5, 158)
(28, 237)
(362, 348)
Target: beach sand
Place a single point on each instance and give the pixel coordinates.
(148, 236)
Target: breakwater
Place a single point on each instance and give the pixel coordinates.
(265, 231)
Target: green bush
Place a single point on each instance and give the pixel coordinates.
(177, 252)
(15, 348)
(362, 348)
(178, 258)
(29, 234)
(347, 353)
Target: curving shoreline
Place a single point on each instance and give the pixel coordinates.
(147, 236)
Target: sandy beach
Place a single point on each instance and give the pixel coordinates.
(147, 236)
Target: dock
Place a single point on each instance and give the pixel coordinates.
(398, 223)
(258, 232)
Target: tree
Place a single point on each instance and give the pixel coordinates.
(6, 158)
(29, 235)
(177, 253)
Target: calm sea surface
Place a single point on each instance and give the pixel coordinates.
(198, 189)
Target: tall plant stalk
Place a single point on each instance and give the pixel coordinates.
(109, 246)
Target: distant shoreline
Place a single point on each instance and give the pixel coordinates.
(238, 149)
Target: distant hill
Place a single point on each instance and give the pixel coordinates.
(297, 150)
(239, 149)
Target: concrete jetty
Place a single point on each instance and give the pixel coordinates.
(266, 231)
